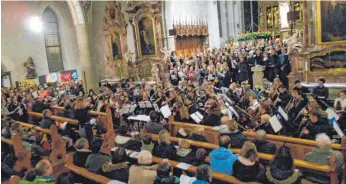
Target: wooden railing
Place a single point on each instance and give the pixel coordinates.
(55, 118)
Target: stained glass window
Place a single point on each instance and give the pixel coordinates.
(52, 41)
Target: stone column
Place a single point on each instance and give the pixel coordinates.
(258, 75)
(88, 70)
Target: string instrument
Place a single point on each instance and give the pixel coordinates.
(256, 120)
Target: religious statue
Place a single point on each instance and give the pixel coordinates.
(30, 68)
(116, 51)
(166, 54)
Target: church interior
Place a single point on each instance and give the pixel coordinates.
(169, 92)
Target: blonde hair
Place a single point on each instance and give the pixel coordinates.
(323, 141)
(199, 130)
(164, 137)
(245, 151)
(185, 144)
(232, 124)
(265, 117)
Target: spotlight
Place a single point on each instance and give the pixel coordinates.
(36, 24)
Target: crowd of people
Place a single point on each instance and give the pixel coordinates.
(216, 84)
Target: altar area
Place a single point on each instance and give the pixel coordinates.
(315, 35)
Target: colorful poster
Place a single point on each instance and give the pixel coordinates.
(51, 78)
(65, 76)
(28, 82)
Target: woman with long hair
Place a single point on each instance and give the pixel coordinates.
(247, 168)
(281, 171)
(164, 148)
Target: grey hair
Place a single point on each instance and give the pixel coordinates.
(323, 141)
(203, 172)
(261, 135)
(144, 157)
(44, 113)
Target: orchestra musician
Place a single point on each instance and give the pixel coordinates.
(300, 87)
(315, 125)
(283, 97)
(321, 91)
(340, 107)
(254, 104)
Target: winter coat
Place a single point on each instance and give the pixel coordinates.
(118, 171)
(200, 182)
(80, 157)
(265, 146)
(95, 161)
(154, 127)
(169, 180)
(237, 138)
(212, 120)
(148, 147)
(142, 174)
(246, 171)
(82, 116)
(46, 122)
(222, 159)
(322, 156)
(134, 145)
(278, 176)
(164, 150)
(199, 138)
(185, 155)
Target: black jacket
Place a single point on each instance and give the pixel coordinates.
(118, 171)
(196, 137)
(165, 151)
(80, 157)
(248, 173)
(265, 146)
(303, 89)
(285, 65)
(321, 126)
(323, 92)
(212, 120)
(237, 139)
(243, 72)
(82, 116)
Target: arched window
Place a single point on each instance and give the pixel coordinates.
(52, 41)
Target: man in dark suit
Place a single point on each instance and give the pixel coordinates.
(283, 67)
(300, 87)
(321, 91)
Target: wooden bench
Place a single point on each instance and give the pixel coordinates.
(209, 133)
(299, 147)
(301, 164)
(104, 180)
(23, 156)
(57, 119)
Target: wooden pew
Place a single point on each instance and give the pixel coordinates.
(57, 119)
(211, 135)
(109, 136)
(299, 147)
(23, 156)
(301, 164)
(104, 180)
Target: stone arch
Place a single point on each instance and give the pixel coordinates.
(76, 12)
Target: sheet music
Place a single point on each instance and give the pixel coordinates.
(332, 114)
(275, 123)
(186, 179)
(183, 165)
(166, 112)
(199, 115)
(195, 118)
(282, 113)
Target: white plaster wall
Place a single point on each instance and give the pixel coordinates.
(19, 42)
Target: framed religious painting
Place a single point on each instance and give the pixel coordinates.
(331, 22)
(115, 46)
(146, 36)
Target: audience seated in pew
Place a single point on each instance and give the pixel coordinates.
(222, 158)
(262, 145)
(46, 122)
(203, 175)
(147, 143)
(117, 168)
(164, 174)
(143, 172)
(321, 155)
(41, 174)
(65, 178)
(198, 135)
(230, 128)
(134, 143)
(96, 159)
(200, 156)
(164, 148)
(247, 168)
(280, 170)
(82, 152)
(122, 136)
(153, 126)
(184, 152)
